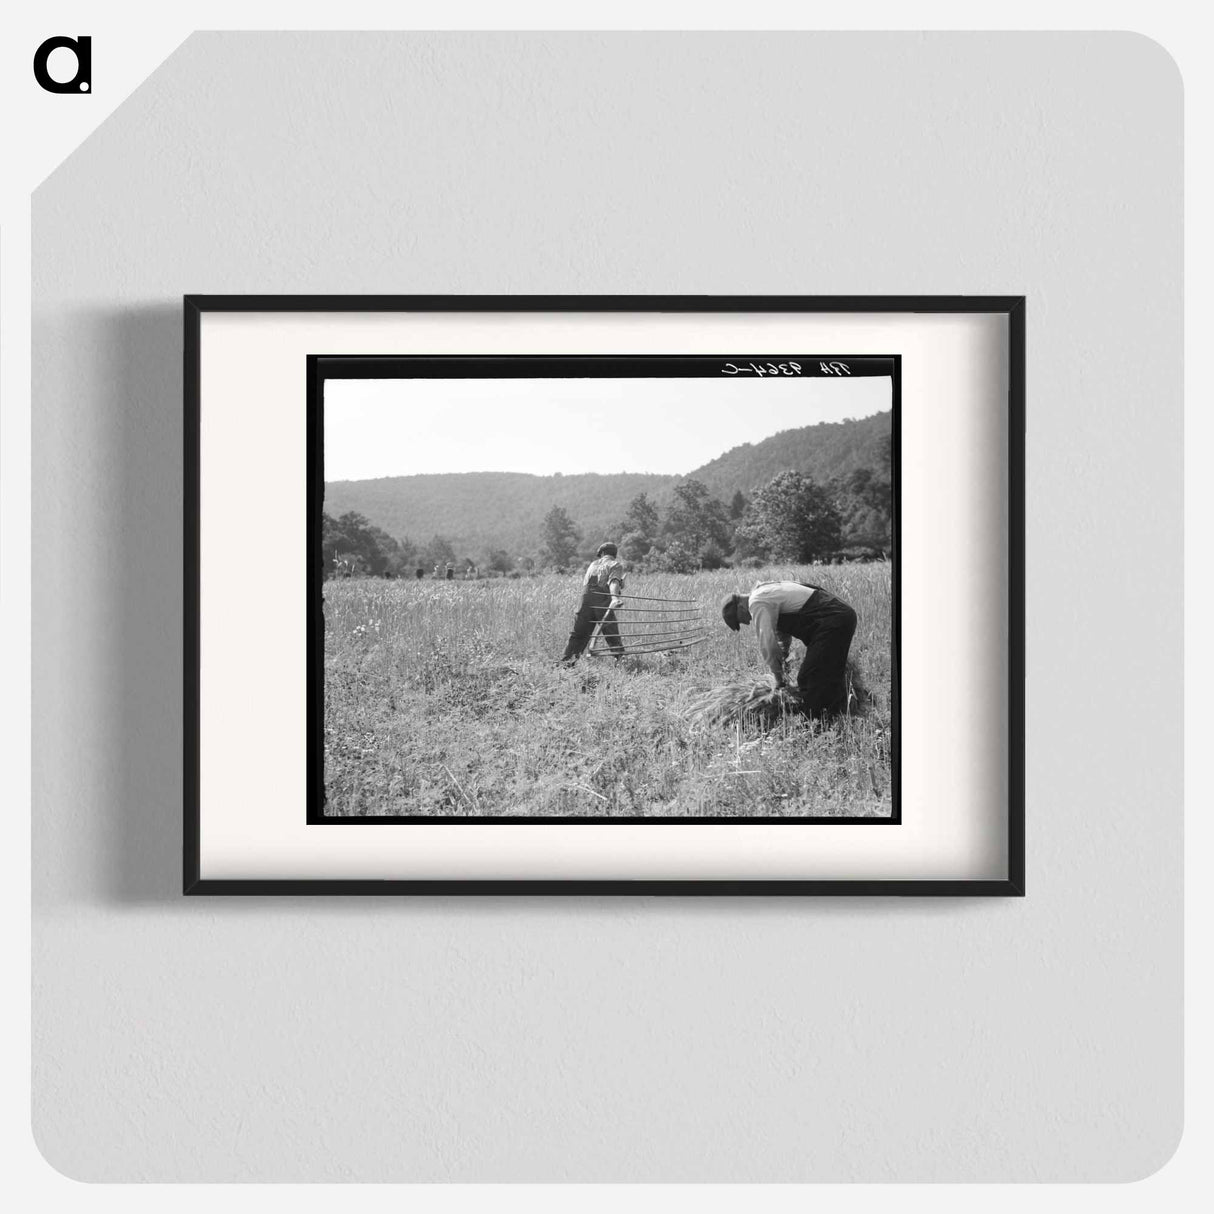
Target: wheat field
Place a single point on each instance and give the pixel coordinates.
(446, 699)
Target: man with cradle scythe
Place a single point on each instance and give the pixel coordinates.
(601, 590)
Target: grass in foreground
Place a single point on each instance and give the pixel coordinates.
(445, 699)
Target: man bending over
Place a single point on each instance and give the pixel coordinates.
(824, 623)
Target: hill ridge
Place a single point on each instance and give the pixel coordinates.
(482, 510)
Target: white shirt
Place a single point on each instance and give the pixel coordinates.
(767, 602)
(786, 597)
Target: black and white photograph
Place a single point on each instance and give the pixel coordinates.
(604, 588)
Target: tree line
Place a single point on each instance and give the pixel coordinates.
(791, 518)
(352, 546)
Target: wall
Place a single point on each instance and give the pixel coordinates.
(627, 1039)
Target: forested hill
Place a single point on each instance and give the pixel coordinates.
(482, 510)
(820, 452)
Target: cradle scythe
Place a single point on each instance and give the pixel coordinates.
(678, 624)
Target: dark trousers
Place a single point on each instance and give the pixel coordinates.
(594, 608)
(825, 625)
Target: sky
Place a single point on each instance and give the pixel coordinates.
(400, 427)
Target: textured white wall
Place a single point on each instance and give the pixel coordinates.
(616, 1039)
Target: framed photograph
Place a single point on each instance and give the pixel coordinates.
(685, 595)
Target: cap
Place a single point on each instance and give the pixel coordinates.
(729, 611)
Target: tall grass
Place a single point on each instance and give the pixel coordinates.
(445, 698)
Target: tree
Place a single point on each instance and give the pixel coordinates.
(641, 516)
(350, 543)
(737, 505)
(791, 519)
(865, 504)
(635, 547)
(408, 555)
(561, 538)
(638, 529)
(440, 551)
(500, 560)
(676, 557)
(696, 519)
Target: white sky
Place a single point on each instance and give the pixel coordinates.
(399, 427)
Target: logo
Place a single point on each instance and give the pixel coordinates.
(82, 81)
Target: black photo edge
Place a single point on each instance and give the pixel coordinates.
(324, 367)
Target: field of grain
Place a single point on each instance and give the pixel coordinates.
(445, 698)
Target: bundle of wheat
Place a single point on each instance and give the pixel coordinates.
(759, 704)
(747, 702)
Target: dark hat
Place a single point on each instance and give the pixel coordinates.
(607, 549)
(729, 611)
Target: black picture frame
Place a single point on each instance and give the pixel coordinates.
(195, 306)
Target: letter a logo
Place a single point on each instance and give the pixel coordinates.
(82, 81)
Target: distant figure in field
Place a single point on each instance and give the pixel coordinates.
(470, 573)
(438, 571)
(421, 572)
(450, 571)
(601, 590)
(824, 623)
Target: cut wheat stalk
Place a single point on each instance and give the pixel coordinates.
(758, 703)
(742, 703)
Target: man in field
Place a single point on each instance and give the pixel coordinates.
(824, 623)
(601, 590)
